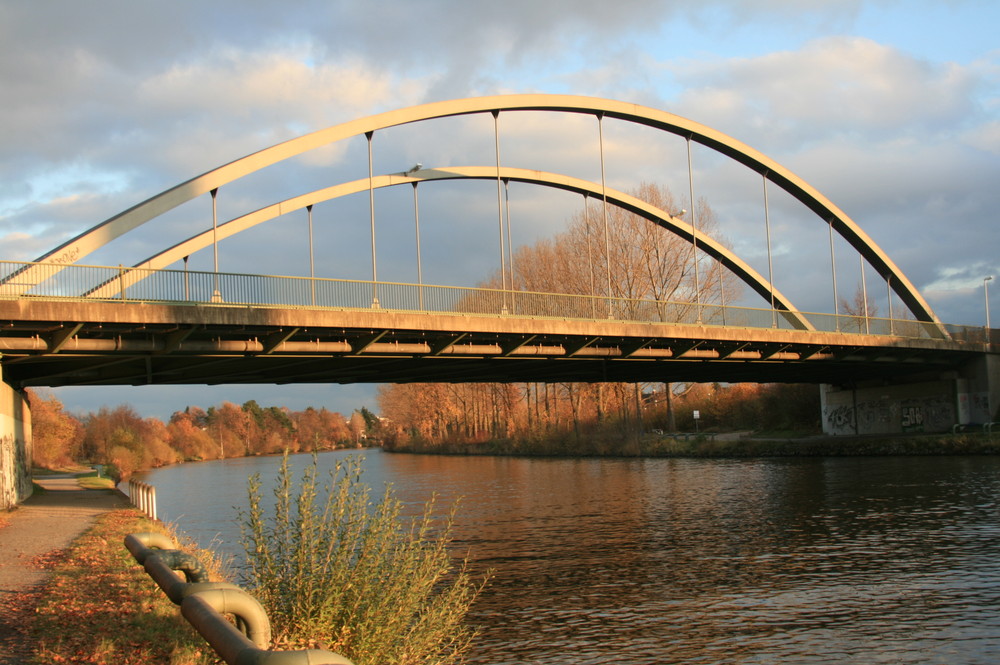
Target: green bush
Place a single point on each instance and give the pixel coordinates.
(335, 571)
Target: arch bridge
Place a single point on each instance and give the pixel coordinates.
(66, 322)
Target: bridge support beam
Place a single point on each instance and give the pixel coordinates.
(969, 395)
(15, 446)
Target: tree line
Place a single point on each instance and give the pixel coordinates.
(583, 418)
(126, 442)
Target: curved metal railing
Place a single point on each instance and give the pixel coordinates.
(205, 605)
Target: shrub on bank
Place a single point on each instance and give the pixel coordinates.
(334, 571)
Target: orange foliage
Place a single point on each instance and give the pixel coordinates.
(56, 435)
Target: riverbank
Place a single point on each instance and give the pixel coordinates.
(729, 445)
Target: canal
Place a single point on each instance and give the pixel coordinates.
(626, 561)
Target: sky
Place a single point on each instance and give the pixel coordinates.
(890, 108)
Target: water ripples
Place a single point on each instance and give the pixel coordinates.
(854, 560)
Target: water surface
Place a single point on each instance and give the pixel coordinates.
(816, 560)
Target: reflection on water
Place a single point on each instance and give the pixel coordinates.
(854, 560)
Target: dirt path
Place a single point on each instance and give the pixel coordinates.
(45, 523)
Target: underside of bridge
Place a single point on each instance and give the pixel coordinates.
(53, 343)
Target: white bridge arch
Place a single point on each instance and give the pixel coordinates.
(828, 213)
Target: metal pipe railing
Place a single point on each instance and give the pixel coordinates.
(205, 605)
(108, 283)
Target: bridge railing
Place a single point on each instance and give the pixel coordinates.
(110, 283)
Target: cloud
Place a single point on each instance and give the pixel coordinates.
(985, 137)
(286, 88)
(964, 277)
(835, 86)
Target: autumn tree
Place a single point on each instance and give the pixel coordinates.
(157, 449)
(276, 432)
(56, 435)
(319, 429)
(188, 436)
(126, 441)
(231, 427)
(109, 428)
(357, 427)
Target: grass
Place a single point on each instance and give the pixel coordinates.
(95, 483)
(99, 606)
(92, 481)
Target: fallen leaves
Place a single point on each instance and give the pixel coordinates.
(99, 606)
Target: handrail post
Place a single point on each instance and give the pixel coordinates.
(143, 497)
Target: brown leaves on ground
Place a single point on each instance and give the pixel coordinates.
(99, 606)
(16, 614)
(49, 560)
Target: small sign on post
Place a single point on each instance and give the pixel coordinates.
(697, 417)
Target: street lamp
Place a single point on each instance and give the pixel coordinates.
(986, 295)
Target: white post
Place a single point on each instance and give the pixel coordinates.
(503, 260)
(694, 231)
(416, 226)
(770, 265)
(604, 197)
(371, 209)
(986, 295)
(833, 269)
(312, 263)
(216, 294)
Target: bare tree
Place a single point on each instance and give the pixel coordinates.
(859, 310)
(642, 269)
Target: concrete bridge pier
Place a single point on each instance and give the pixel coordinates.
(15, 445)
(969, 395)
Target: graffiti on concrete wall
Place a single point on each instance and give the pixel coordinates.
(884, 416)
(839, 419)
(15, 476)
(875, 417)
(927, 414)
(980, 407)
(871, 417)
(913, 418)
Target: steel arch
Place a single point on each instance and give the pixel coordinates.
(829, 213)
(630, 203)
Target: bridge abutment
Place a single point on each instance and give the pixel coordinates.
(969, 395)
(15, 446)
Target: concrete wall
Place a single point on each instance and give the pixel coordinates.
(969, 395)
(15, 446)
(979, 391)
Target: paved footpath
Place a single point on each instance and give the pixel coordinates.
(44, 523)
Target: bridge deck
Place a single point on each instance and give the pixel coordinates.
(57, 343)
